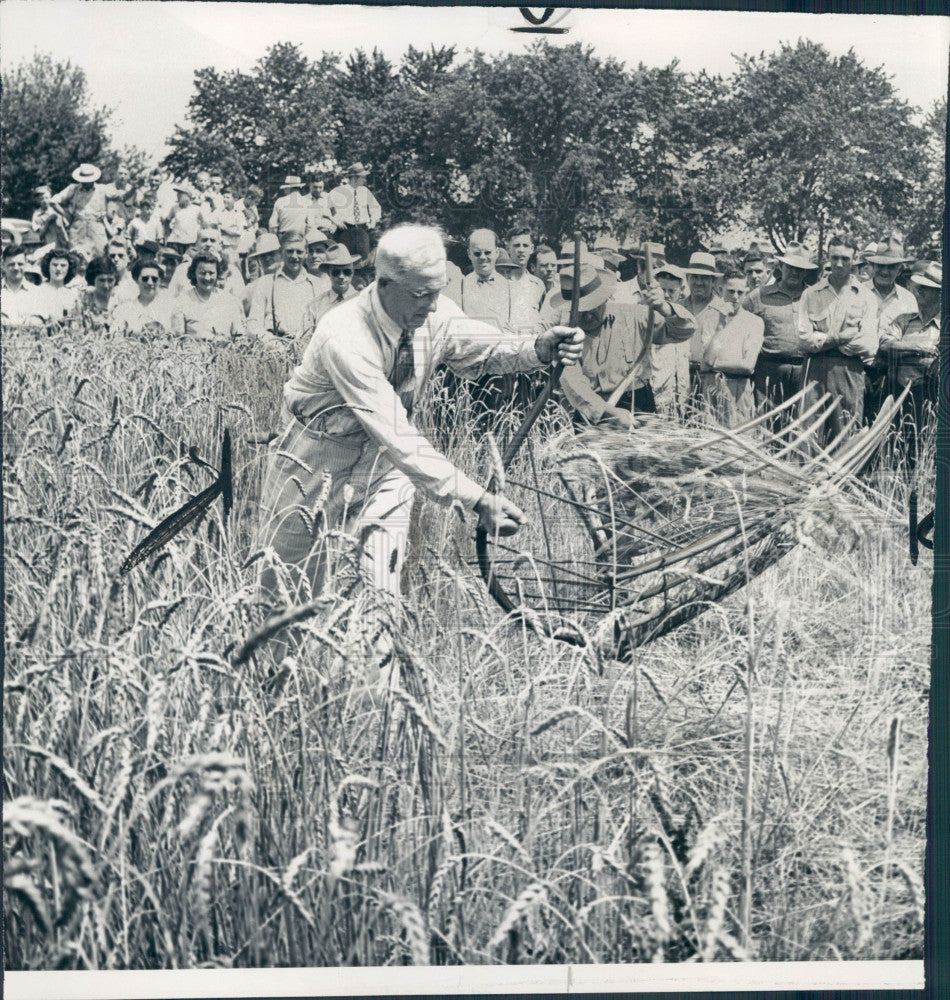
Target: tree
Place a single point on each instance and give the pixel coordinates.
(925, 214)
(257, 126)
(820, 143)
(49, 128)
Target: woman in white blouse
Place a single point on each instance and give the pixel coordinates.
(206, 311)
(151, 311)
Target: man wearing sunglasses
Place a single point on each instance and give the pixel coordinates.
(348, 454)
(338, 265)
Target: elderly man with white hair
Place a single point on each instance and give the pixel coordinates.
(348, 454)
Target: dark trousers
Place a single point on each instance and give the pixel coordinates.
(843, 377)
(355, 239)
(775, 379)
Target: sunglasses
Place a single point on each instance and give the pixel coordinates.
(338, 272)
(149, 279)
(116, 256)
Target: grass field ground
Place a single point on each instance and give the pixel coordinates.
(751, 785)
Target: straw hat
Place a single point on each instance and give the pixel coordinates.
(357, 170)
(86, 173)
(703, 264)
(889, 251)
(671, 271)
(930, 277)
(266, 243)
(292, 181)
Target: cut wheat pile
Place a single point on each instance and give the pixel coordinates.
(749, 785)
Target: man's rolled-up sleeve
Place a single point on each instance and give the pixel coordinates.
(581, 394)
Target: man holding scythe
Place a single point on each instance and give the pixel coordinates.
(610, 383)
(348, 454)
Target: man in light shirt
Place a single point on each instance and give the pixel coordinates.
(527, 291)
(838, 329)
(19, 300)
(355, 210)
(347, 418)
(280, 300)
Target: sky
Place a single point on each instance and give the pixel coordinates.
(140, 56)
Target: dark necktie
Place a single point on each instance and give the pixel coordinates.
(403, 368)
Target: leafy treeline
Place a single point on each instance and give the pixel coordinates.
(797, 143)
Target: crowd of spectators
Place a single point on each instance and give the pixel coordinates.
(729, 333)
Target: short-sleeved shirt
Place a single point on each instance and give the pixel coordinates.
(779, 313)
(217, 318)
(844, 321)
(134, 317)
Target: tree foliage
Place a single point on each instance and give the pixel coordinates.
(796, 142)
(49, 128)
(821, 143)
(257, 126)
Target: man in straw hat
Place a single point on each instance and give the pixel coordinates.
(629, 289)
(669, 369)
(292, 209)
(49, 219)
(613, 378)
(338, 265)
(348, 454)
(778, 372)
(84, 206)
(838, 330)
(702, 276)
(886, 262)
(356, 210)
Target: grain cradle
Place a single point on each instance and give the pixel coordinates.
(631, 534)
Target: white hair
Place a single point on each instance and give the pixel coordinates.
(410, 249)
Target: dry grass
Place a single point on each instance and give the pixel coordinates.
(738, 788)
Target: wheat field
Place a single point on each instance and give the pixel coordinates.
(751, 786)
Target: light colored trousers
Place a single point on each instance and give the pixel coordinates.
(317, 484)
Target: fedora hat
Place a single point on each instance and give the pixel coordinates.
(149, 246)
(185, 188)
(339, 256)
(266, 243)
(356, 169)
(671, 271)
(929, 277)
(504, 260)
(11, 234)
(86, 173)
(291, 181)
(596, 286)
(889, 251)
(606, 242)
(703, 264)
(567, 251)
